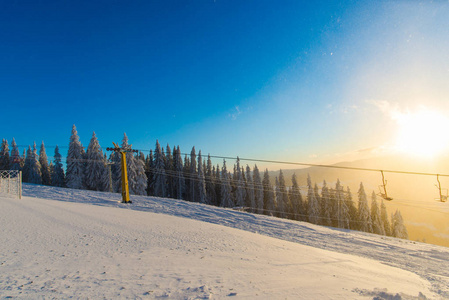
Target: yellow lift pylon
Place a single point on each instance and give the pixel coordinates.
(123, 151)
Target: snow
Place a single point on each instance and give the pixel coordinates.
(62, 243)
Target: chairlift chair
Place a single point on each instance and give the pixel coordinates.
(384, 195)
(443, 198)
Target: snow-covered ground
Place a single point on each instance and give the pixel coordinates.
(62, 243)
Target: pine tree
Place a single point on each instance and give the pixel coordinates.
(239, 188)
(375, 216)
(352, 209)
(169, 171)
(137, 179)
(334, 207)
(343, 212)
(326, 208)
(268, 195)
(202, 194)
(226, 200)
(277, 195)
(295, 199)
(159, 179)
(179, 184)
(35, 174)
(250, 195)
(57, 174)
(149, 168)
(398, 228)
(364, 219)
(27, 165)
(210, 182)
(186, 171)
(258, 190)
(218, 185)
(313, 205)
(15, 159)
(4, 155)
(96, 174)
(75, 162)
(384, 218)
(193, 175)
(116, 171)
(283, 202)
(45, 168)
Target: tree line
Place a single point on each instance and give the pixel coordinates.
(165, 173)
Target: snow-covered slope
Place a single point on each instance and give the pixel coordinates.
(61, 243)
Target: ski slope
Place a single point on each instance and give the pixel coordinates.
(62, 243)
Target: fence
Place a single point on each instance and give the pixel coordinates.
(11, 183)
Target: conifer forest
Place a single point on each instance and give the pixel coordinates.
(168, 173)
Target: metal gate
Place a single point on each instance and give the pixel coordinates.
(11, 183)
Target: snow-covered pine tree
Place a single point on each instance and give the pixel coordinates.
(326, 208)
(364, 218)
(45, 168)
(27, 165)
(149, 168)
(295, 199)
(169, 172)
(239, 188)
(258, 190)
(96, 174)
(22, 160)
(250, 195)
(378, 227)
(226, 200)
(193, 175)
(210, 182)
(343, 213)
(218, 185)
(75, 162)
(4, 155)
(352, 209)
(57, 174)
(159, 179)
(384, 218)
(116, 171)
(313, 205)
(137, 179)
(15, 159)
(34, 175)
(266, 191)
(333, 207)
(186, 171)
(279, 204)
(139, 183)
(179, 184)
(201, 181)
(398, 228)
(288, 209)
(269, 195)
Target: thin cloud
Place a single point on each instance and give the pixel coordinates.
(236, 112)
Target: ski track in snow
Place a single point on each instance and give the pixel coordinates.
(430, 262)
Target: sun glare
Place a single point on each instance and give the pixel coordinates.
(422, 133)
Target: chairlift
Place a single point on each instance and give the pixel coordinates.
(443, 198)
(383, 187)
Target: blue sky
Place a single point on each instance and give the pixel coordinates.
(282, 80)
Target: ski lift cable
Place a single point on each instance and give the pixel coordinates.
(303, 164)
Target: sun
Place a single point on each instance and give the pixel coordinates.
(422, 133)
